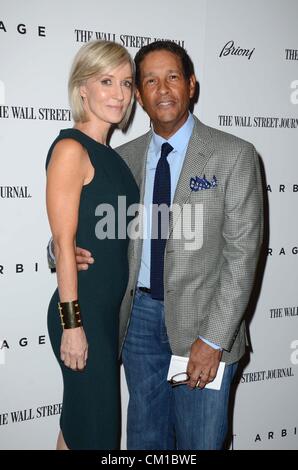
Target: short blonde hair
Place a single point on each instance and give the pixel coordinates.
(96, 57)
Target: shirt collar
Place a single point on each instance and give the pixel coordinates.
(179, 140)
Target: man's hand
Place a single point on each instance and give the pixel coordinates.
(203, 364)
(83, 259)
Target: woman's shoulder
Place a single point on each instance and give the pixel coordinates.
(68, 146)
(65, 147)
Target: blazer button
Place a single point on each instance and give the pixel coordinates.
(131, 292)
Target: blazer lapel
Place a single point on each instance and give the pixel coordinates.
(140, 163)
(197, 155)
(136, 158)
(142, 150)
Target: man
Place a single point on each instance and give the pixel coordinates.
(186, 299)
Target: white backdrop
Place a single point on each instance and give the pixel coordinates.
(251, 91)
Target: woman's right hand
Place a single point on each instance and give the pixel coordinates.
(74, 348)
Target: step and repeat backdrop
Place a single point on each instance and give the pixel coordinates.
(246, 56)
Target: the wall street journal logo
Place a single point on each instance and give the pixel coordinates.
(28, 414)
(14, 192)
(32, 114)
(291, 54)
(261, 122)
(126, 40)
(269, 374)
(283, 312)
(230, 49)
(22, 29)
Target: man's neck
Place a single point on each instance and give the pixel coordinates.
(167, 130)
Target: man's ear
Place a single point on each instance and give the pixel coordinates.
(138, 97)
(192, 85)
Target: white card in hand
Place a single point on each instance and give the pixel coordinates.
(178, 365)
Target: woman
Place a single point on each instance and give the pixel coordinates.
(82, 173)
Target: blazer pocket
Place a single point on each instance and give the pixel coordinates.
(206, 195)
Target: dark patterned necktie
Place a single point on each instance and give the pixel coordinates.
(161, 195)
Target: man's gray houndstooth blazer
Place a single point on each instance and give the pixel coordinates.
(207, 287)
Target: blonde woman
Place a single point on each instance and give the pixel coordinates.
(82, 173)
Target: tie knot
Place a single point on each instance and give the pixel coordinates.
(166, 148)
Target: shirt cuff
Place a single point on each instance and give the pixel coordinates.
(50, 255)
(214, 346)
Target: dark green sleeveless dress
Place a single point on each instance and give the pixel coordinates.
(90, 416)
